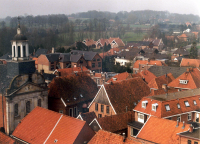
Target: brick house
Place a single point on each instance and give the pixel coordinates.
(94, 61)
(119, 77)
(116, 98)
(186, 62)
(71, 94)
(46, 126)
(180, 52)
(157, 43)
(116, 42)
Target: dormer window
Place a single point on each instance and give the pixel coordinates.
(186, 103)
(195, 103)
(154, 106)
(167, 107)
(183, 81)
(144, 104)
(135, 103)
(178, 106)
(114, 79)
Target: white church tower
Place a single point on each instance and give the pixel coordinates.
(20, 49)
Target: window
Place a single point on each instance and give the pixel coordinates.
(99, 64)
(154, 106)
(134, 132)
(16, 110)
(28, 105)
(167, 107)
(75, 111)
(93, 65)
(102, 108)
(195, 103)
(24, 51)
(81, 61)
(107, 109)
(19, 53)
(189, 116)
(98, 59)
(94, 59)
(61, 111)
(195, 142)
(189, 142)
(96, 107)
(144, 104)
(71, 112)
(186, 103)
(99, 115)
(183, 81)
(179, 118)
(178, 106)
(14, 51)
(39, 102)
(141, 117)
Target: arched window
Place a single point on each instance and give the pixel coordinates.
(16, 110)
(39, 102)
(28, 104)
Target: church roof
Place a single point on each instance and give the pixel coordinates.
(19, 37)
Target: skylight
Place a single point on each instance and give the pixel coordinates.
(186, 103)
(178, 105)
(167, 107)
(195, 103)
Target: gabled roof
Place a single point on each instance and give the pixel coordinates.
(89, 42)
(119, 41)
(161, 131)
(182, 51)
(88, 116)
(4, 139)
(68, 71)
(162, 91)
(191, 135)
(190, 62)
(7, 56)
(73, 88)
(161, 70)
(159, 81)
(88, 55)
(102, 42)
(111, 52)
(40, 51)
(171, 99)
(105, 137)
(125, 93)
(145, 62)
(117, 122)
(45, 126)
(192, 76)
(147, 75)
(130, 55)
(52, 57)
(119, 77)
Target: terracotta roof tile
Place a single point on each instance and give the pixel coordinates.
(68, 71)
(145, 62)
(162, 91)
(119, 77)
(4, 139)
(126, 93)
(161, 131)
(111, 52)
(37, 126)
(104, 137)
(193, 79)
(147, 75)
(190, 62)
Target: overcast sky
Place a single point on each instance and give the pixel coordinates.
(44, 7)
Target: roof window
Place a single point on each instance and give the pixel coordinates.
(144, 104)
(167, 107)
(186, 103)
(183, 81)
(195, 103)
(178, 105)
(154, 106)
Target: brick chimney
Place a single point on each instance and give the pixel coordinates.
(191, 128)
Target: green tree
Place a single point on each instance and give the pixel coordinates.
(193, 51)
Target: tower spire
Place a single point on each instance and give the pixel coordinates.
(18, 28)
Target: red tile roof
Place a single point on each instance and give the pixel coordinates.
(4, 139)
(68, 71)
(111, 52)
(161, 100)
(126, 93)
(162, 91)
(71, 87)
(119, 41)
(190, 62)
(89, 42)
(182, 36)
(102, 41)
(104, 137)
(147, 75)
(193, 79)
(145, 62)
(44, 125)
(159, 81)
(120, 77)
(161, 131)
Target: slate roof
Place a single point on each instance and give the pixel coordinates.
(161, 70)
(159, 81)
(120, 77)
(88, 55)
(64, 57)
(146, 75)
(40, 51)
(105, 137)
(126, 92)
(193, 79)
(4, 139)
(53, 57)
(37, 127)
(88, 116)
(191, 135)
(48, 76)
(182, 51)
(117, 122)
(190, 62)
(7, 56)
(71, 87)
(161, 131)
(130, 55)
(171, 99)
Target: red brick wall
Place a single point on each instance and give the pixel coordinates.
(42, 59)
(184, 140)
(96, 64)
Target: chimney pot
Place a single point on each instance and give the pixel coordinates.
(177, 123)
(191, 128)
(183, 125)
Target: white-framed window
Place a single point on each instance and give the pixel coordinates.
(189, 116)
(183, 81)
(178, 106)
(144, 104)
(195, 103)
(167, 107)
(71, 112)
(186, 103)
(141, 117)
(154, 106)
(179, 118)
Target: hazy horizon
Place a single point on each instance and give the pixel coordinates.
(27, 7)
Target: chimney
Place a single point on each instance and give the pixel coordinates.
(124, 137)
(183, 125)
(191, 128)
(177, 123)
(53, 51)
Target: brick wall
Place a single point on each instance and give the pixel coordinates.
(184, 140)
(96, 68)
